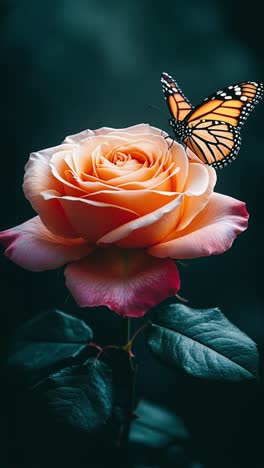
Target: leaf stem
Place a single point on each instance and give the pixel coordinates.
(128, 346)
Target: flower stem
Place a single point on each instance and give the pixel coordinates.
(130, 404)
(127, 330)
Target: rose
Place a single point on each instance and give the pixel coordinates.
(116, 205)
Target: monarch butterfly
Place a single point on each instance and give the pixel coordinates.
(212, 129)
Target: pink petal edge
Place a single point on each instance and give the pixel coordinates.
(34, 248)
(129, 282)
(212, 232)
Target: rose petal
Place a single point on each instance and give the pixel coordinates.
(129, 282)
(92, 219)
(38, 178)
(146, 230)
(140, 129)
(192, 156)
(211, 232)
(87, 155)
(197, 180)
(79, 136)
(193, 205)
(60, 168)
(141, 201)
(90, 185)
(34, 248)
(135, 129)
(179, 156)
(163, 181)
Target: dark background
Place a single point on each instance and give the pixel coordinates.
(70, 65)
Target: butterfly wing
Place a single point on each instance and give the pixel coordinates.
(213, 128)
(214, 142)
(231, 105)
(178, 104)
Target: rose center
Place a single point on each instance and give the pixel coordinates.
(120, 158)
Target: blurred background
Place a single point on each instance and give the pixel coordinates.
(67, 66)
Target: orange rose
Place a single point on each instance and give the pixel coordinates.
(109, 203)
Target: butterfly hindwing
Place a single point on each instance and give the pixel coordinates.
(215, 143)
(178, 104)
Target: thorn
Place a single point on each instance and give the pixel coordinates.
(182, 263)
(66, 299)
(181, 298)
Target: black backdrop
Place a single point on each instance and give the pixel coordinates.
(67, 66)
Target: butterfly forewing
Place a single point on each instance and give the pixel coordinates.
(232, 104)
(178, 104)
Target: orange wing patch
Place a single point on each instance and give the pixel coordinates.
(214, 110)
(178, 107)
(178, 104)
(214, 143)
(231, 105)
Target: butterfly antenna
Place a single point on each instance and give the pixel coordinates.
(157, 108)
(160, 110)
(172, 142)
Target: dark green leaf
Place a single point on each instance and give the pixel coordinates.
(78, 398)
(158, 437)
(203, 343)
(156, 426)
(45, 341)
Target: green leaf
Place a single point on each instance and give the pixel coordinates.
(77, 398)
(156, 427)
(44, 342)
(158, 437)
(203, 343)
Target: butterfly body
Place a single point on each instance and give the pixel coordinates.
(180, 128)
(212, 129)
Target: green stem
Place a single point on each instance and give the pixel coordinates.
(127, 329)
(131, 394)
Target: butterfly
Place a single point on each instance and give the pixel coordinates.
(212, 129)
